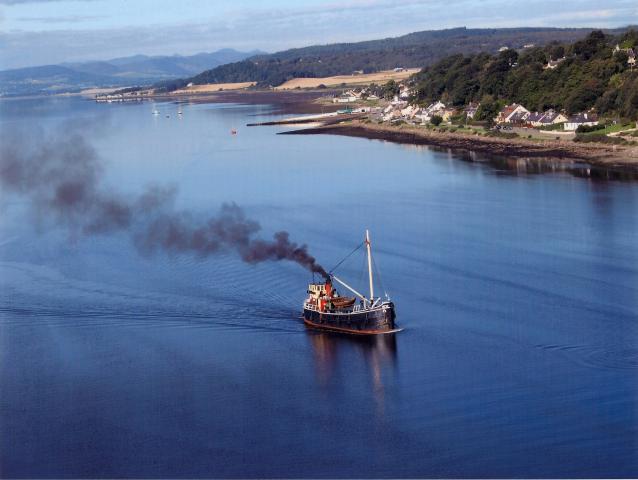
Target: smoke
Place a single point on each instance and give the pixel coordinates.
(61, 175)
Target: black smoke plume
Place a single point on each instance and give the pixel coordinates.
(61, 176)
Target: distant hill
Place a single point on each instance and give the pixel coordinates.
(585, 74)
(69, 77)
(413, 50)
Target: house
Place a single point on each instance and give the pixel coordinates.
(409, 111)
(373, 97)
(391, 115)
(503, 49)
(399, 69)
(471, 109)
(631, 55)
(576, 121)
(518, 118)
(529, 45)
(534, 119)
(436, 108)
(397, 102)
(513, 113)
(552, 64)
(448, 113)
(543, 119)
(631, 58)
(346, 97)
(405, 93)
(552, 118)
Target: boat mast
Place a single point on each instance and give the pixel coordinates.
(367, 241)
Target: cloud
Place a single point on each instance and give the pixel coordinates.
(18, 2)
(273, 29)
(62, 19)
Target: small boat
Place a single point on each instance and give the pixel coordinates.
(233, 131)
(179, 112)
(156, 112)
(325, 309)
(168, 116)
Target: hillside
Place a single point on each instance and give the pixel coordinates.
(124, 71)
(413, 50)
(588, 75)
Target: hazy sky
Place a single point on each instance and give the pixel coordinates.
(35, 32)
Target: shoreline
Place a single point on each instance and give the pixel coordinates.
(617, 157)
(281, 101)
(614, 157)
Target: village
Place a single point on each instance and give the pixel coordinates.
(513, 118)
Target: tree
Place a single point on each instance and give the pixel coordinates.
(589, 77)
(436, 120)
(390, 89)
(488, 110)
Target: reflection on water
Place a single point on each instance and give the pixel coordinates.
(377, 353)
(536, 165)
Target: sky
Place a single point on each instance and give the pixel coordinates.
(39, 32)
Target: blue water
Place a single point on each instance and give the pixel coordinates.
(517, 293)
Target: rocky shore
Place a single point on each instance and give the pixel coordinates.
(608, 156)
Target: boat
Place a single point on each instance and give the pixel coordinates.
(325, 309)
(233, 131)
(156, 112)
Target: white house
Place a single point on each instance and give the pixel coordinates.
(552, 64)
(397, 102)
(392, 114)
(436, 108)
(576, 121)
(409, 111)
(513, 113)
(346, 97)
(471, 110)
(542, 119)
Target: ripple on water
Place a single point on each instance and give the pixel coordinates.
(218, 300)
(613, 357)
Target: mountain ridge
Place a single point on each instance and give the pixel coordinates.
(116, 72)
(415, 49)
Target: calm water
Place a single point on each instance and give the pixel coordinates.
(518, 295)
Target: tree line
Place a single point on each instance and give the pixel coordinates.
(589, 75)
(417, 49)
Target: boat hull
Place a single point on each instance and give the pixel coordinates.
(370, 322)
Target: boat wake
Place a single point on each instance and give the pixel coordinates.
(612, 357)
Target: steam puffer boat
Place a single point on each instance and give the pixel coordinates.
(326, 309)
